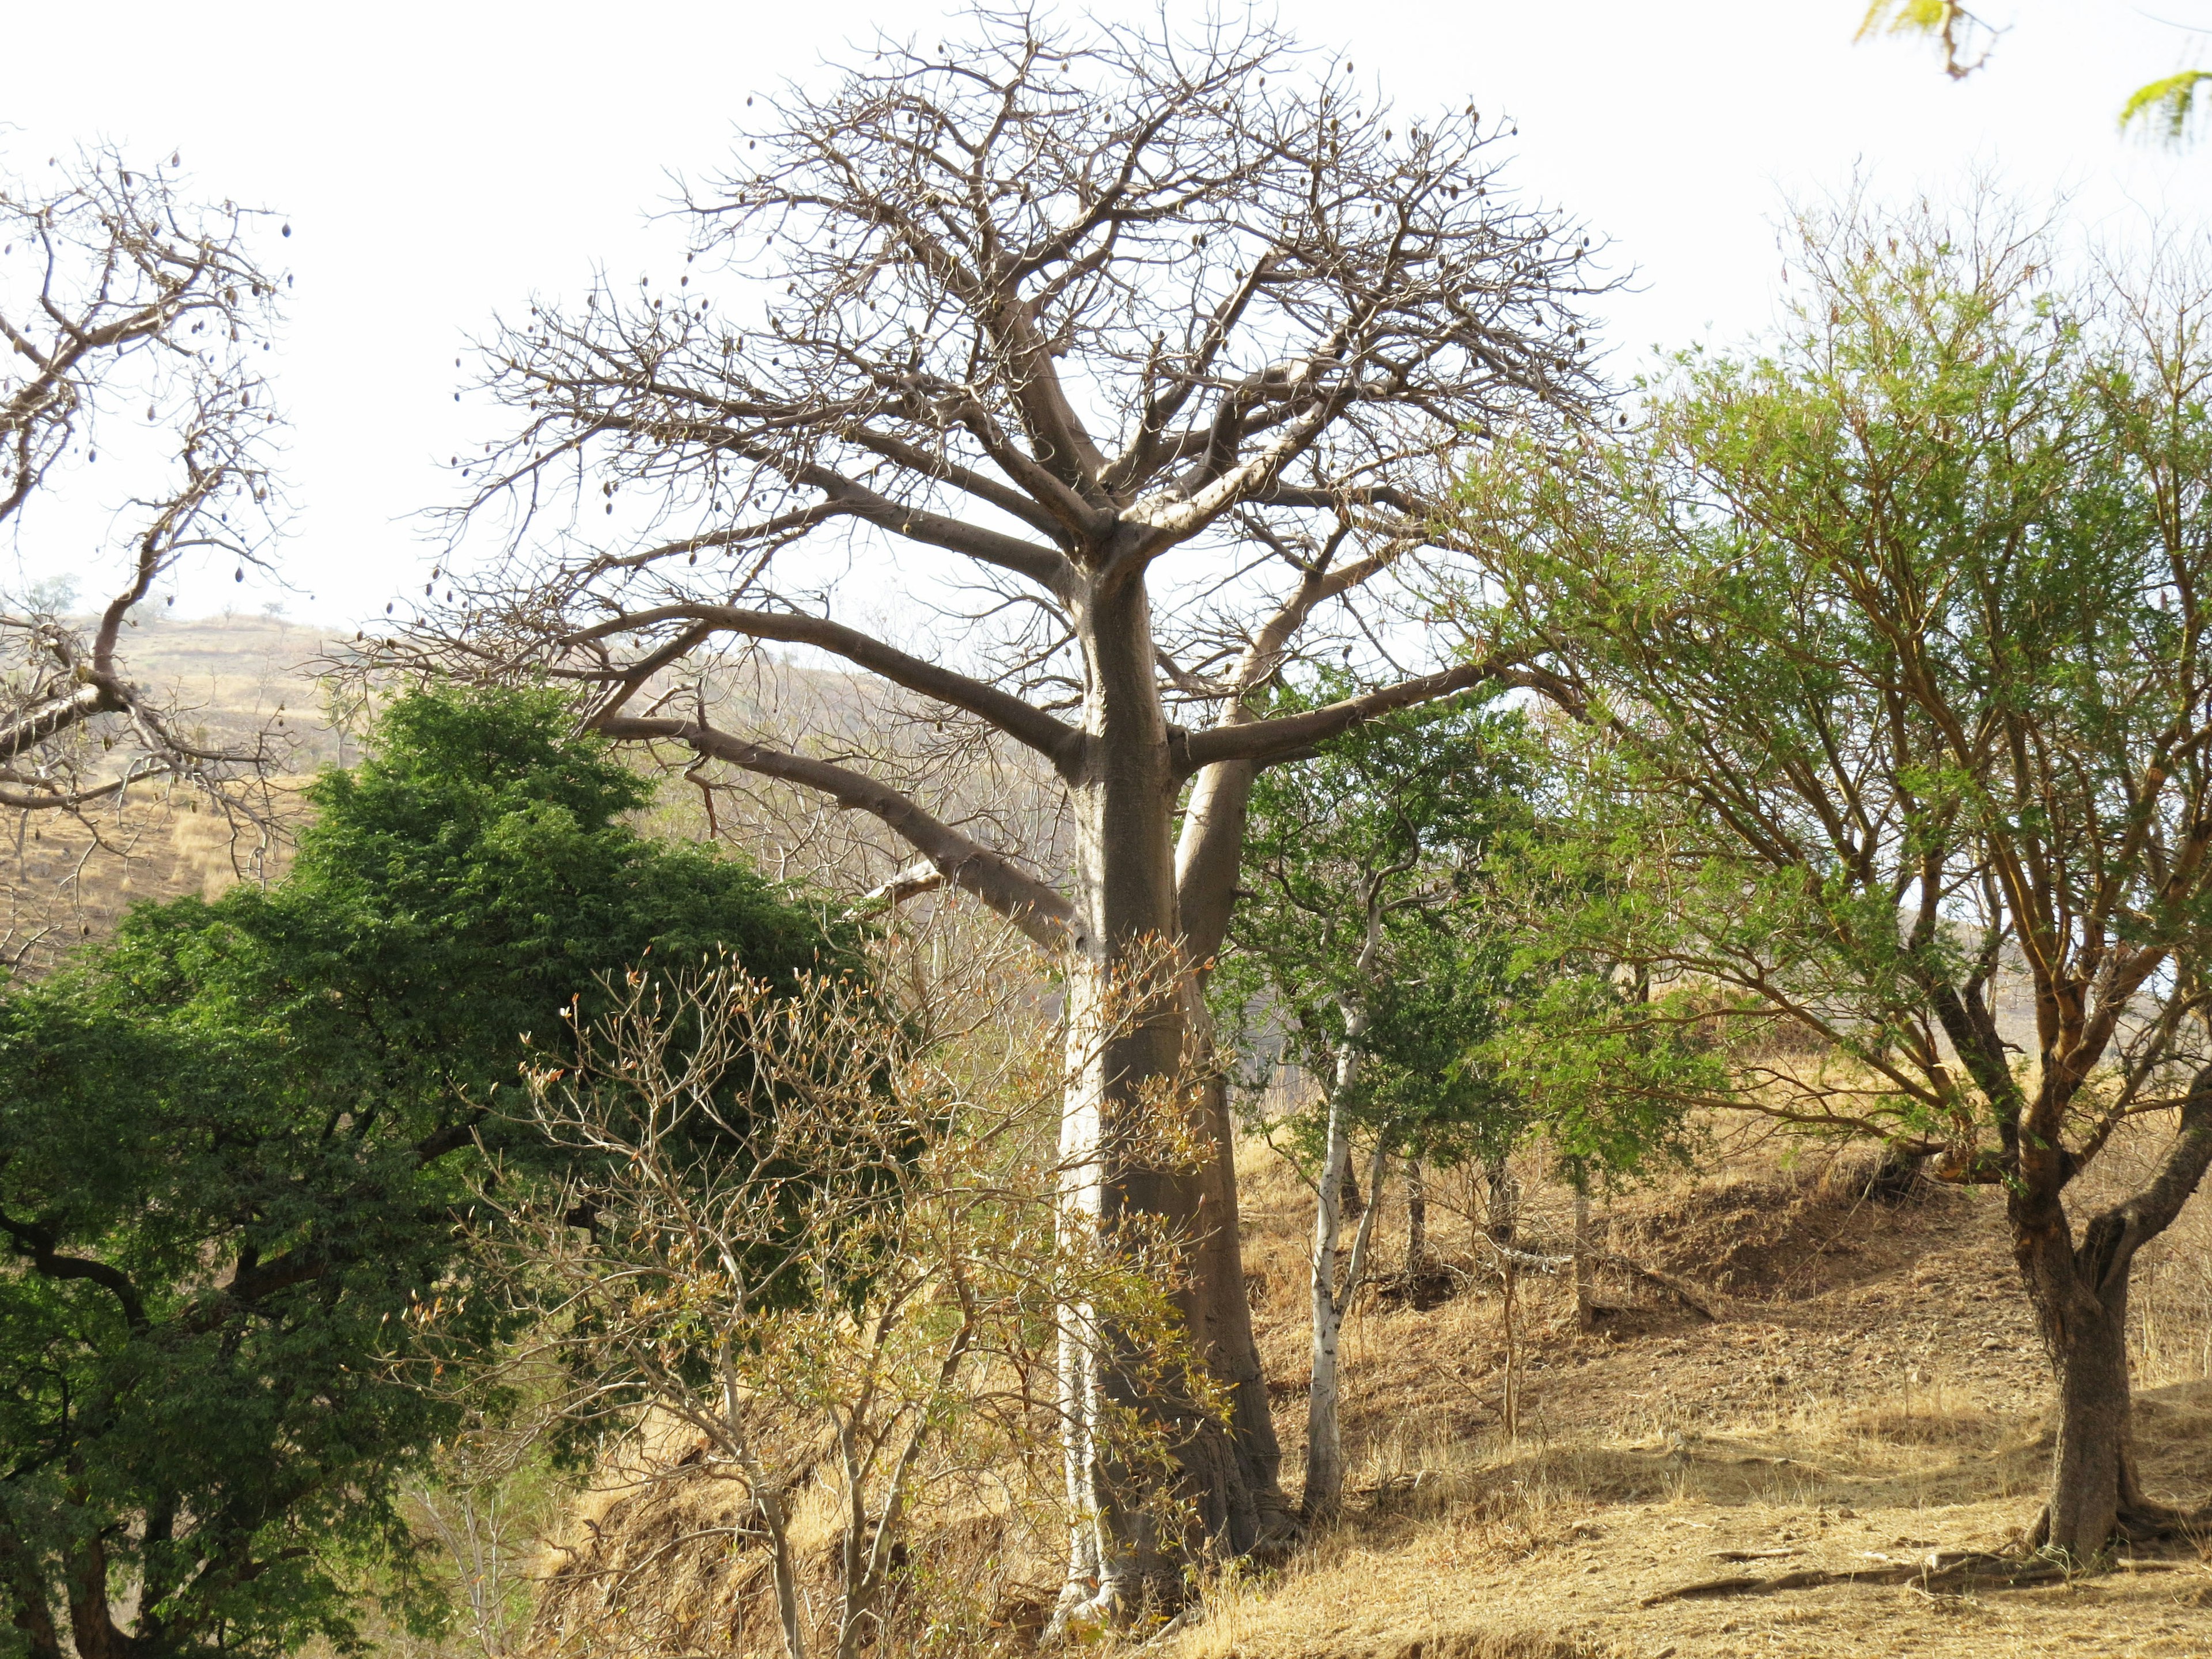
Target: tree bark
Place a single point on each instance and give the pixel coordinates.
(1505, 1217)
(1209, 855)
(1124, 1557)
(1416, 1221)
(1324, 1487)
(1585, 1302)
(2080, 1298)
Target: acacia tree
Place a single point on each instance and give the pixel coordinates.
(117, 290)
(1143, 360)
(1891, 644)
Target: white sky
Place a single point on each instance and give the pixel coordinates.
(439, 161)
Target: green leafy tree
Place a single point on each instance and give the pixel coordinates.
(1889, 643)
(1361, 943)
(235, 1152)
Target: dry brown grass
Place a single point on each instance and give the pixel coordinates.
(1872, 1393)
(64, 881)
(1873, 1389)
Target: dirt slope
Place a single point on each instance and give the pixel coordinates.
(1871, 1390)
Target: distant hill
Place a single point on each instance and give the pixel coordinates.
(227, 678)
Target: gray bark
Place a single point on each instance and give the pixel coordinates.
(1324, 1486)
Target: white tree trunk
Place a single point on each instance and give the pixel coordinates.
(1324, 1489)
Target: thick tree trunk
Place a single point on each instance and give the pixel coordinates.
(2081, 1299)
(1251, 1513)
(1209, 855)
(1124, 1556)
(2087, 1479)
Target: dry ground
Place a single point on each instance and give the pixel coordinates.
(1871, 1390)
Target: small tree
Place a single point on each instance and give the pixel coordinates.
(1362, 940)
(118, 290)
(1133, 366)
(858, 1290)
(232, 1162)
(1890, 646)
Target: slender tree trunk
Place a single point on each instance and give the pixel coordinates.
(1505, 1217)
(1416, 1221)
(1324, 1488)
(1585, 1308)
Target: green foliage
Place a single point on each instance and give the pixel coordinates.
(2164, 106)
(235, 1153)
(1889, 643)
(1365, 920)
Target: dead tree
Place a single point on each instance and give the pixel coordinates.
(1124, 366)
(118, 292)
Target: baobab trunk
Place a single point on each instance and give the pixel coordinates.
(1120, 1180)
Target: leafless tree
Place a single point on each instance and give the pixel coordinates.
(1121, 366)
(118, 290)
(820, 1248)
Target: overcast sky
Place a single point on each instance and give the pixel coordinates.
(439, 163)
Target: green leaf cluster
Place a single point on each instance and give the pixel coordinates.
(1890, 651)
(236, 1152)
(1394, 823)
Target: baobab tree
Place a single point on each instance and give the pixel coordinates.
(1128, 367)
(116, 290)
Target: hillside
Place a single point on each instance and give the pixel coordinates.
(1870, 1390)
(1858, 1385)
(228, 677)
(1866, 1391)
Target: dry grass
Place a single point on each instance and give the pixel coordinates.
(1873, 1392)
(1873, 1389)
(64, 881)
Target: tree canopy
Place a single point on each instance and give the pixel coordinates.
(235, 1159)
(1361, 925)
(1888, 643)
